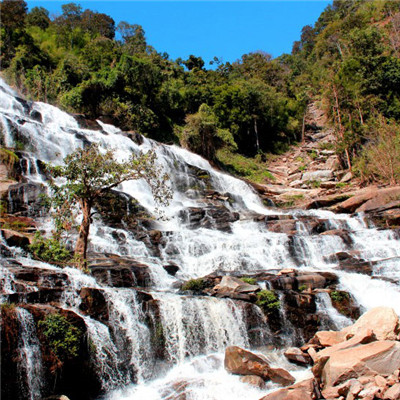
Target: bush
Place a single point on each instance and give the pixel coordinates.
(194, 284)
(268, 301)
(339, 296)
(63, 338)
(49, 250)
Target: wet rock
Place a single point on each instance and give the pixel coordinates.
(253, 380)
(297, 356)
(15, 239)
(36, 116)
(343, 234)
(172, 269)
(118, 271)
(309, 280)
(94, 304)
(211, 217)
(87, 123)
(242, 362)
(24, 198)
(134, 136)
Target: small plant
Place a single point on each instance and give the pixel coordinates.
(303, 167)
(7, 306)
(250, 281)
(8, 157)
(314, 184)
(63, 338)
(49, 250)
(194, 284)
(268, 301)
(300, 159)
(313, 155)
(340, 185)
(302, 287)
(326, 146)
(339, 296)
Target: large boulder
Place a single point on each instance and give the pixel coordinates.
(380, 357)
(15, 239)
(383, 321)
(297, 356)
(243, 362)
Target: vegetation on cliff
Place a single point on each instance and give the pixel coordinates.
(348, 62)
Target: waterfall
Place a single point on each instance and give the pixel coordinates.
(30, 364)
(332, 318)
(194, 325)
(195, 329)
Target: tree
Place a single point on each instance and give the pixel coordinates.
(90, 174)
(38, 16)
(202, 135)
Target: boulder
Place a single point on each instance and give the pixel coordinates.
(295, 355)
(232, 284)
(380, 357)
(383, 321)
(15, 239)
(94, 303)
(304, 390)
(329, 338)
(243, 362)
(253, 380)
(320, 175)
(382, 197)
(392, 393)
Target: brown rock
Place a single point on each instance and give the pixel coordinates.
(392, 393)
(304, 390)
(383, 321)
(253, 380)
(381, 357)
(281, 376)
(329, 338)
(295, 355)
(15, 239)
(243, 362)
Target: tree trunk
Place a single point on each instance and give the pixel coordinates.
(82, 241)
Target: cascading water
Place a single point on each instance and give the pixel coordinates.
(30, 364)
(195, 329)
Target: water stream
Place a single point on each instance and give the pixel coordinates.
(196, 329)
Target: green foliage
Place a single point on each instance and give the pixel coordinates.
(63, 338)
(194, 284)
(302, 287)
(49, 250)
(250, 168)
(8, 157)
(250, 281)
(338, 296)
(268, 301)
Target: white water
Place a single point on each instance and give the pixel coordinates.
(193, 327)
(30, 361)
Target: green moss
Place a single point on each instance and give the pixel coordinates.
(339, 296)
(63, 338)
(250, 281)
(268, 301)
(194, 284)
(302, 287)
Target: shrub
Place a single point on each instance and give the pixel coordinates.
(250, 281)
(268, 301)
(194, 284)
(339, 296)
(8, 157)
(49, 250)
(63, 338)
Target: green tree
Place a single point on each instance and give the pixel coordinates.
(38, 16)
(90, 174)
(202, 135)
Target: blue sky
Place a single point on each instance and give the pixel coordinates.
(226, 29)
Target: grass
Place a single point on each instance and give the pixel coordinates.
(252, 169)
(194, 284)
(250, 281)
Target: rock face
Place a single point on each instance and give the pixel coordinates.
(381, 357)
(242, 362)
(383, 321)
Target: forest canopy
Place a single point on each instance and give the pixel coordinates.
(348, 62)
